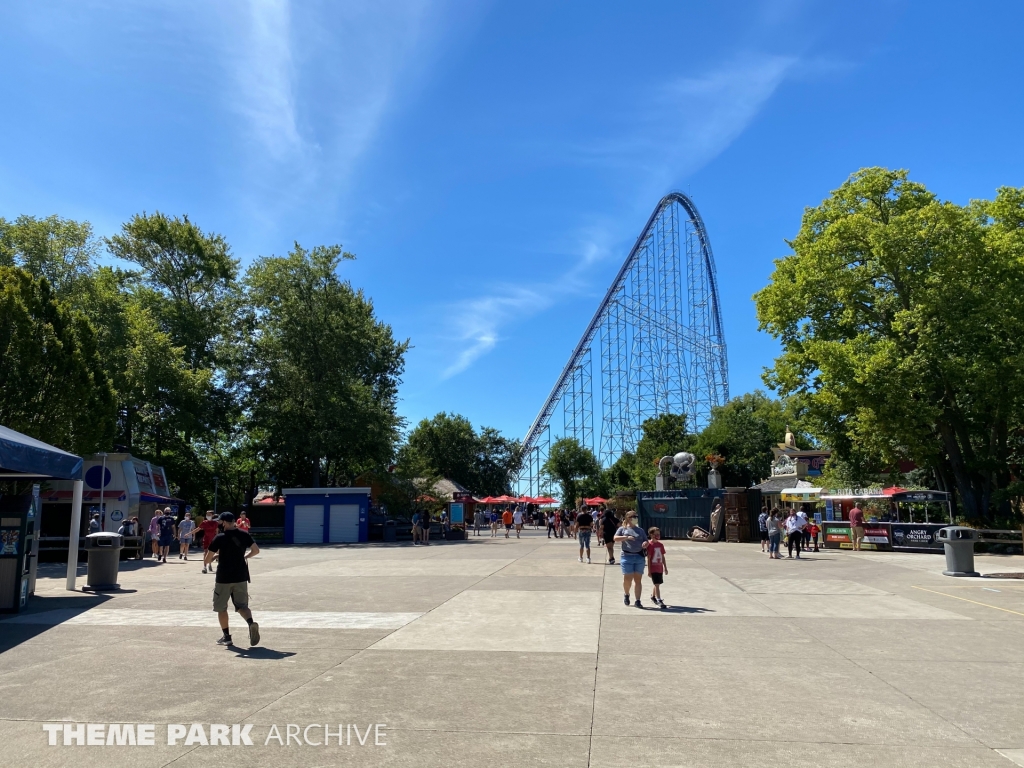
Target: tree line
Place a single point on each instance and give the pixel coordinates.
(155, 340)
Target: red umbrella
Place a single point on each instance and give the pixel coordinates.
(490, 500)
(595, 501)
(503, 499)
(892, 490)
(545, 500)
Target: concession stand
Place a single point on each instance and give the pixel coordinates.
(891, 518)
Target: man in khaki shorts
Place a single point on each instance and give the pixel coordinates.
(856, 527)
(232, 580)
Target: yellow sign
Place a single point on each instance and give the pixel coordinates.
(800, 496)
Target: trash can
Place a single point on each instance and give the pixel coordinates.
(959, 545)
(390, 531)
(104, 551)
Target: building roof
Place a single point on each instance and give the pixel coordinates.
(444, 489)
(779, 484)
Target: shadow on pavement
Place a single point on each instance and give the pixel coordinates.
(259, 653)
(681, 609)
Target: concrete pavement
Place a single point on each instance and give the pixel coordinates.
(496, 652)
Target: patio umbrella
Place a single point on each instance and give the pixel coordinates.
(545, 500)
(595, 501)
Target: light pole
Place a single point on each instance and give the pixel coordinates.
(103, 482)
(215, 486)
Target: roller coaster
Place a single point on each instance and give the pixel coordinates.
(658, 336)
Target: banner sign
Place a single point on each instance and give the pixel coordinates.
(876, 534)
(837, 533)
(920, 496)
(915, 535)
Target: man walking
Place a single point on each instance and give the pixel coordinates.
(478, 520)
(185, 529)
(232, 576)
(762, 524)
(517, 519)
(856, 527)
(584, 526)
(166, 528)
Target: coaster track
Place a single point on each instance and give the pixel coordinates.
(659, 336)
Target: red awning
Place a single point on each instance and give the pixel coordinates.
(595, 501)
(892, 490)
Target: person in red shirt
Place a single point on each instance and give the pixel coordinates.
(243, 523)
(656, 565)
(856, 527)
(812, 531)
(207, 529)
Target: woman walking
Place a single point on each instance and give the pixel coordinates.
(631, 557)
(774, 525)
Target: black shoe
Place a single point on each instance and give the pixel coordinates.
(638, 604)
(611, 561)
(663, 606)
(224, 640)
(625, 599)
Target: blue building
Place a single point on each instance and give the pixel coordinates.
(326, 515)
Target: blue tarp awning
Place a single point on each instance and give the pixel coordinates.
(25, 455)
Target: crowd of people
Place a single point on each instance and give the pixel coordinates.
(800, 532)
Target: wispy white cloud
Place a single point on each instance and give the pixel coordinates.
(681, 124)
(480, 321)
(313, 83)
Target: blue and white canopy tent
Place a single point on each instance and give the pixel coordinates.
(25, 458)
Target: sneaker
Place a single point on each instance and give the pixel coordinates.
(581, 559)
(204, 569)
(254, 634)
(224, 640)
(611, 561)
(588, 561)
(625, 599)
(663, 606)
(638, 604)
(180, 555)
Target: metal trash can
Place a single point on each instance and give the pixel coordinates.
(390, 531)
(104, 551)
(958, 542)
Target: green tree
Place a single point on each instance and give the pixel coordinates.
(61, 250)
(569, 464)
(322, 372)
(448, 446)
(901, 320)
(52, 383)
(744, 430)
(190, 276)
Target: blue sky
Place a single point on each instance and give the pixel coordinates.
(490, 163)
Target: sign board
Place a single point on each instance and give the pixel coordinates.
(876, 534)
(920, 496)
(915, 535)
(456, 513)
(809, 495)
(837, 534)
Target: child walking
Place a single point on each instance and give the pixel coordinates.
(656, 565)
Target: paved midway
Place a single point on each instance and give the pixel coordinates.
(494, 652)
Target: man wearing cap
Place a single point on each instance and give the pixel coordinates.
(232, 576)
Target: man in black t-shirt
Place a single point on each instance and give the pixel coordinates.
(232, 576)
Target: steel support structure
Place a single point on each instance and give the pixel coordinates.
(659, 336)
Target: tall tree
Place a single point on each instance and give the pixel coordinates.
(743, 432)
(901, 319)
(52, 383)
(191, 275)
(323, 372)
(569, 463)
